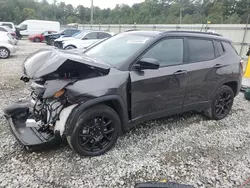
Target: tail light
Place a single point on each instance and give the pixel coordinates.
(241, 63)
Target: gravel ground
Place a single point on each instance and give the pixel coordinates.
(184, 148)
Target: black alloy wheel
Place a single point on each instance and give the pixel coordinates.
(96, 131)
(221, 104)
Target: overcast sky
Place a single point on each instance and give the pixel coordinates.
(99, 3)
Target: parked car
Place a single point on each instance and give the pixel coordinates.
(9, 25)
(64, 33)
(83, 40)
(40, 37)
(12, 34)
(6, 45)
(90, 99)
(82, 50)
(7, 29)
(31, 27)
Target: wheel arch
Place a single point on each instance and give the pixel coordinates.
(233, 85)
(70, 45)
(114, 101)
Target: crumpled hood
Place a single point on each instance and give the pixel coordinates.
(46, 61)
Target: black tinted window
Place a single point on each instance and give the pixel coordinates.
(103, 35)
(7, 25)
(229, 48)
(67, 32)
(92, 35)
(23, 27)
(72, 32)
(167, 52)
(200, 50)
(219, 49)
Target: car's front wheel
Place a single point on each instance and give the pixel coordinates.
(69, 47)
(221, 104)
(4, 53)
(96, 131)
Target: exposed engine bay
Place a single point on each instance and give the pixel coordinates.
(50, 103)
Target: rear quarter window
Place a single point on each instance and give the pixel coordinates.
(229, 48)
(200, 50)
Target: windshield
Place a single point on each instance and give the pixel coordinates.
(118, 48)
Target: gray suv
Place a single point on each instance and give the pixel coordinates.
(89, 98)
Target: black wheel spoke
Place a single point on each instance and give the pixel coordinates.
(93, 145)
(100, 145)
(109, 131)
(82, 144)
(220, 111)
(107, 123)
(85, 135)
(227, 97)
(107, 138)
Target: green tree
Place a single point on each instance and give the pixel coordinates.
(28, 13)
(17, 15)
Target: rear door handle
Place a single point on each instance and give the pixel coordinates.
(180, 72)
(218, 66)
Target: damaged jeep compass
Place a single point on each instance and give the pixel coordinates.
(89, 98)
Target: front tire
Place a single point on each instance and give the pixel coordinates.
(4, 53)
(52, 42)
(221, 104)
(96, 131)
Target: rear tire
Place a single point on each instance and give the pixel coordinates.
(52, 42)
(221, 104)
(4, 53)
(37, 39)
(69, 47)
(96, 131)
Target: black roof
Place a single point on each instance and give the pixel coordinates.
(214, 36)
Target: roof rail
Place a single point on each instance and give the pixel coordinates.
(197, 32)
(130, 30)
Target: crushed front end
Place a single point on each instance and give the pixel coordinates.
(33, 121)
(39, 122)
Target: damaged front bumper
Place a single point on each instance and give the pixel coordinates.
(32, 138)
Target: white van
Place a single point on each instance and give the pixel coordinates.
(31, 27)
(8, 24)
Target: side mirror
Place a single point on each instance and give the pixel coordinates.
(147, 63)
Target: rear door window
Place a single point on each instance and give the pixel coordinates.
(92, 35)
(219, 49)
(200, 50)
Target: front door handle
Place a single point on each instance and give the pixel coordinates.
(218, 66)
(180, 72)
